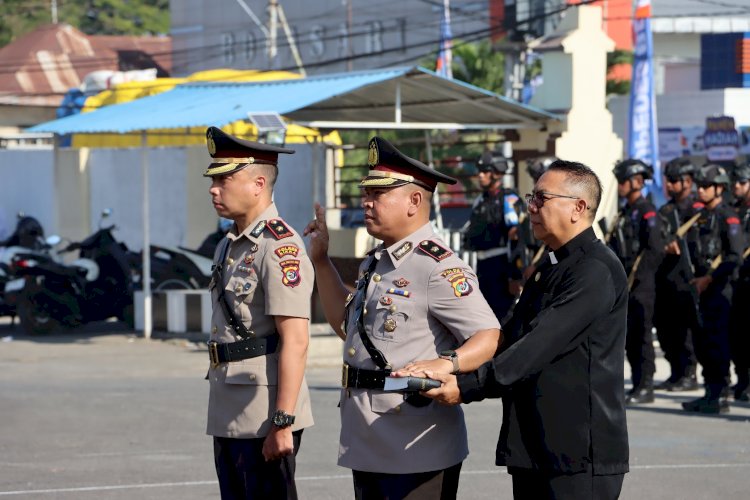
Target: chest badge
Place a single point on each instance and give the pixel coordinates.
(386, 301)
(401, 282)
(537, 276)
(254, 248)
(389, 325)
(402, 293)
(248, 259)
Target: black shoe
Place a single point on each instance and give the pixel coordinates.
(640, 395)
(684, 384)
(707, 405)
(741, 394)
(665, 386)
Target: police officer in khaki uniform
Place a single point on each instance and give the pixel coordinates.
(261, 287)
(415, 300)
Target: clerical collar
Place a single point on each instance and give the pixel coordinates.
(574, 244)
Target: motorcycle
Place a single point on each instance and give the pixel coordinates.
(96, 286)
(28, 236)
(178, 269)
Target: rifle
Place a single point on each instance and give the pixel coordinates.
(685, 266)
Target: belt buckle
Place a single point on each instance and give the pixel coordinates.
(345, 376)
(213, 353)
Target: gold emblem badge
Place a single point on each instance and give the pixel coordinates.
(386, 301)
(389, 325)
(372, 154)
(211, 145)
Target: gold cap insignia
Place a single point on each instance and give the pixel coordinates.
(372, 155)
(211, 145)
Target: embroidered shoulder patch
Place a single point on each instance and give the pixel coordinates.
(290, 271)
(258, 229)
(733, 220)
(279, 229)
(434, 250)
(459, 283)
(292, 250)
(698, 204)
(648, 215)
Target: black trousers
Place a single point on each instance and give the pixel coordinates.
(639, 345)
(244, 474)
(433, 485)
(493, 275)
(712, 339)
(533, 485)
(739, 330)
(675, 319)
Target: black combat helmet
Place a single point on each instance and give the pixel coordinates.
(678, 167)
(490, 161)
(712, 174)
(537, 166)
(630, 167)
(742, 172)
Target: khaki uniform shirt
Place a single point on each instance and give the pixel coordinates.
(265, 275)
(416, 305)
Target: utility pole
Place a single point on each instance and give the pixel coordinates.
(272, 25)
(54, 11)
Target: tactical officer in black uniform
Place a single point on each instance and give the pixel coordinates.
(490, 232)
(739, 341)
(537, 166)
(639, 244)
(676, 314)
(715, 255)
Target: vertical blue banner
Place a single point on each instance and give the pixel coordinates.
(643, 137)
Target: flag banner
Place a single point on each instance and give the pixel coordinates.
(445, 54)
(643, 137)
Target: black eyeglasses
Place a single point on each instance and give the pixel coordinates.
(537, 198)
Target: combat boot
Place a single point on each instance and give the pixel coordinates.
(713, 402)
(683, 384)
(741, 389)
(643, 393)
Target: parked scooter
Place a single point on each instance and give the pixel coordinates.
(178, 269)
(96, 286)
(27, 236)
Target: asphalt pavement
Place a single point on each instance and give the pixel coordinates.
(100, 413)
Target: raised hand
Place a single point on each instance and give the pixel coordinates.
(318, 231)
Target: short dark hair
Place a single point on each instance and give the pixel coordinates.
(581, 176)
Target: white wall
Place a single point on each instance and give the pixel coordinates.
(28, 185)
(69, 197)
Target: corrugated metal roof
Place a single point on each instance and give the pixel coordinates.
(364, 96)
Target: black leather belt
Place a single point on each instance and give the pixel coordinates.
(242, 349)
(360, 378)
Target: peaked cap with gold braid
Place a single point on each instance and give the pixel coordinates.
(231, 154)
(389, 167)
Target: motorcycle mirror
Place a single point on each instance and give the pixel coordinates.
(53, 240)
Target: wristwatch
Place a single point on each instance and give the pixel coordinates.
(282, 419)
(451, 356)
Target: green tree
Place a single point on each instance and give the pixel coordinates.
(616, 85)
(475, 63)
(93, 17)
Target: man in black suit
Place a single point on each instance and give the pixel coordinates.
(560, 367)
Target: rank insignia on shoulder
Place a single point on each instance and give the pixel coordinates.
(279, 229)
(292, 250)
(258, 229)
(290, 271)
(402, 250)
(434, 250)
(401, 282)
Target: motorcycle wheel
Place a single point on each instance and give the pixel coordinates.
(36, 321)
